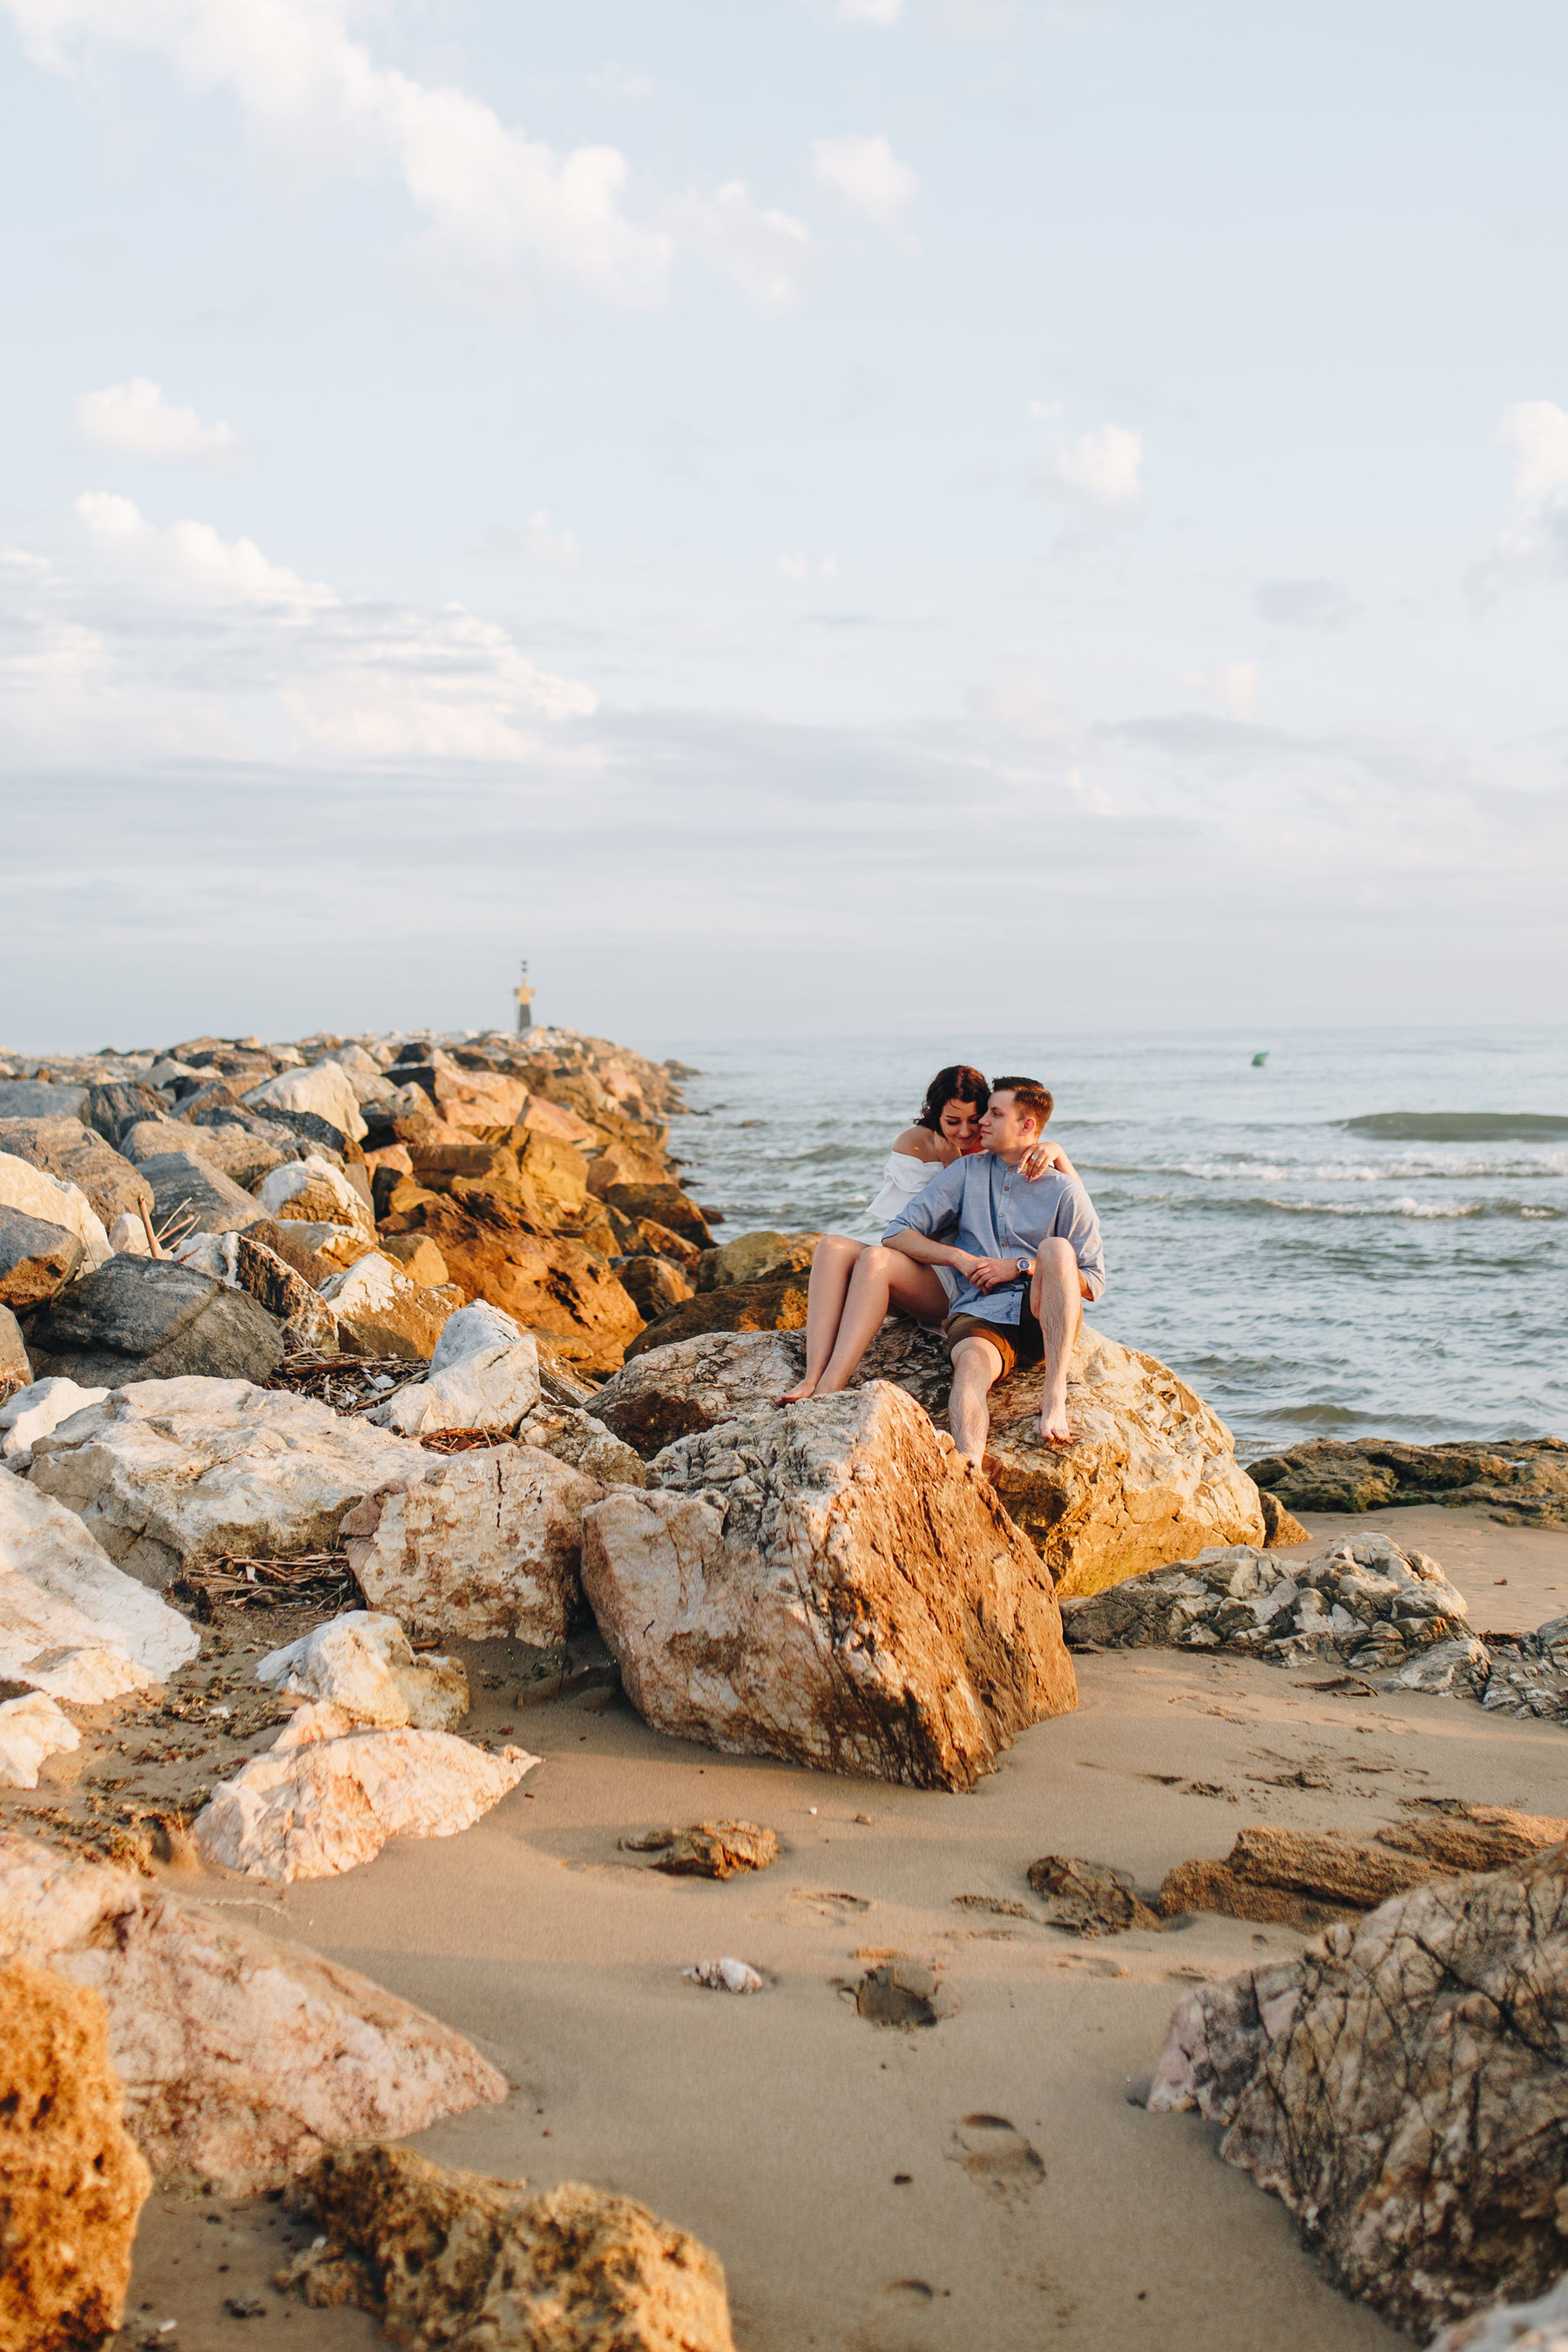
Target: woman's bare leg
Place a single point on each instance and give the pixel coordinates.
(832, 1265)
(884, 1278)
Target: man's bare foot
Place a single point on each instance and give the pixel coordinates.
(1054, 1427)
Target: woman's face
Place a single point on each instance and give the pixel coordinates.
(960, 1123)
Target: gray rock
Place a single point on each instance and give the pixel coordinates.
(244, 1263)
(235, 1152)
(79, 1155)
(113, 1108)
(143, 1319)
(36, 1098)
(182, 1184)
(15, 1371)
(36, 1260)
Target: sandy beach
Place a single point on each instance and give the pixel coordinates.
(987, 2180)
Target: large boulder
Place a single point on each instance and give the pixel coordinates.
(1524, 1479)
(484, 1374)
(667, 1204)
(149, 1320)
(242, 2058)
(1401, 2088)
(190, 1195)
(313, 1191)
(40, 1098)
(113, 1108)
(485, 1544)
(1151, 1474)
(32, 1729)
(655, 1285)
(168, 1475)
(327, 1795)
(681, 1390)
(36, 1409)
(48, 1548)
(53, 1202)
(761, 1256)
(244, 1263)
(544, 1283)
(79, 1155)
(364, 1665)
(72, 2181)
(325, 1092)
(832, 1584)
(235, 1152)
(380, 1312)
(36, 1260)
(451, 2258)
(774, 1306)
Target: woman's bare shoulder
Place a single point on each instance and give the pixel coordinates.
(919, 1143)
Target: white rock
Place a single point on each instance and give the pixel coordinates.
(34, 1412)
(1539, 2326)
(724, 1976)
(328, 1090)
(485, 1545)
(38, 1194)
(574, 1436)
(242, 2057)
(494, 1388)
(472, 1331)
(54, 1647)
(311, 1173)
(382, 1312)
(30, 1729)
(128, 1236)
(326, 1797)
(48, 1545)
(168, 1473)
(364, 1665)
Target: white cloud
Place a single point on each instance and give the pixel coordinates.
(1536, 541)
(1232, 685)
(800, 569)
(180, 642)
(535, 543)
(871, 12)
(135, 419)
(1106, 468)
(864, 173)
(501, 209)
(1093, 797)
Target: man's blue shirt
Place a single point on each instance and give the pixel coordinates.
(981, 1205)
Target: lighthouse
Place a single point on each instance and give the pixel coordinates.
(523, 992)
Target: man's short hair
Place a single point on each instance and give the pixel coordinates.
(1029, 1094)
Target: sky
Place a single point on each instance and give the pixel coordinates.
(831, 515)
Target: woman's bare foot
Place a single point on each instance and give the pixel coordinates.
(799, 1395)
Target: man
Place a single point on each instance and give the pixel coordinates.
(1026, 1256)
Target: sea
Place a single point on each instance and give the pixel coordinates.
(1328, 1233)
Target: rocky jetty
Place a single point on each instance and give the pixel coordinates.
(1522, 1482)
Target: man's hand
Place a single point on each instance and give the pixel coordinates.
(990, 1274)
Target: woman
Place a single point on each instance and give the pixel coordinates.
(855, 1285)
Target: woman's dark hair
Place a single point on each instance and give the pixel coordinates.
(957, 1083)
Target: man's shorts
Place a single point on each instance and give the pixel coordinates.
(1018, 1343)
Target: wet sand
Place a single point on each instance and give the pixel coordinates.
(984, 2181)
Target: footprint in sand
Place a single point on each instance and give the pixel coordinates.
(995, 2155)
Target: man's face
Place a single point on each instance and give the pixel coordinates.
(1004, 1126)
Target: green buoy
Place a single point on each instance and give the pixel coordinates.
(1259, 1060)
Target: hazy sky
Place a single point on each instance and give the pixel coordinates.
(860, 513)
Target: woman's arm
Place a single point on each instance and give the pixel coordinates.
(1041, 1157)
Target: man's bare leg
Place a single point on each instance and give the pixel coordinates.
(976, 1369)
(882, 1279)
(1057, 1305)
(834, 1262)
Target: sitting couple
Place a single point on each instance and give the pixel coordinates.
(991, 1234)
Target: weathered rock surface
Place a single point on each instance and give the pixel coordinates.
(1524, 1480)
(243, 1262)
(40, 1098)
(708, 1849)
(453, 2259)
(494, 1388)
(313, 1191)
(36, 1260)
(15, 1369)
(698, 1385)
(486, 1544)
(777, 1306)
(1403, 2091)
(327, 1795)
(191, 1195)
(149, 1320)
(546, 1283)
(1536, 2327)
(1308, 1878)
(380, 1313)
(52, 1201)
(655, 1285)
(326, 1092)
(235, 1152)
(72, 2181)
(1088, 1899)
(666, 1204)
(32, 1729)
(576, 1436)
(756, 1257)
(32, 1412)
(79, 1155)
(114, 1109)
(49, 1547)
(830, 1585)
(1364, 1602)
(365, 1666)
(169, 1473)
(241, 2057)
